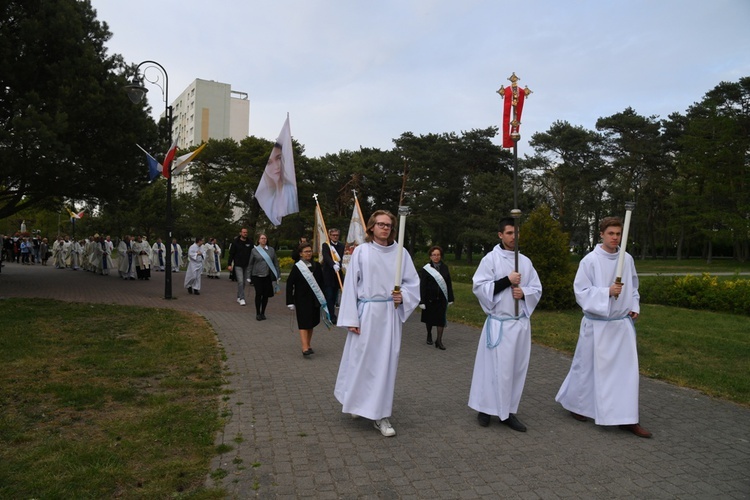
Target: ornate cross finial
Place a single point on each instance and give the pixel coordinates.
(316, 197)
(512, 110)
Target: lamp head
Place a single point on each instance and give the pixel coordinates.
(136, 91)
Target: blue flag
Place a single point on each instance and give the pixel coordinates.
(154, 167)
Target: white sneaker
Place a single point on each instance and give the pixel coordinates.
(384, 426)
(238, 300)
(242, 302)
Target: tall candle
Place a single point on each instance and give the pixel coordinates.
(624, 242)
(399, 257)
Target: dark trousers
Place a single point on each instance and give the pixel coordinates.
(331, 293)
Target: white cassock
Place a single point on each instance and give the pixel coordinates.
(213, 255)
(57, 252)
(195, 266)
(66, 247)
(159, 254)
(603, 380)
(142, 254)
(76, 251)
(176, 256)
(502, 358)
(126, 264)
(367, 373)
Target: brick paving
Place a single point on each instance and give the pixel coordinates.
(289, 438)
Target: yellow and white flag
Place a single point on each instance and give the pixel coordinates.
(356, 234)
(183, 161)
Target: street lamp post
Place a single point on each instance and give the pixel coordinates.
(136, 91)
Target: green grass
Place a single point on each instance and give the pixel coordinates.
(701, 350)
(106, 401)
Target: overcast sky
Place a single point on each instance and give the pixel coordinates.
(357, 73)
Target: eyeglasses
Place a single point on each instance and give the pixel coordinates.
(384, 225)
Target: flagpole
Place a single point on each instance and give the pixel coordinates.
(359, 212)
(328, 240)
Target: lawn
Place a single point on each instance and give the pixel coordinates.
(106, 401)
(697, 349)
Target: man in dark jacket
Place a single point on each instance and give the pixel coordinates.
(332, 277)
(239, 258)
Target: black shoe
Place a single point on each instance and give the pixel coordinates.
(439, 345)
(514, 423)
(484, 419)
(257, 317)
(262, 316)
(307, 352)
(429, 339)
(190, 290)
(310, 350)
(578, 417)
(196, 292)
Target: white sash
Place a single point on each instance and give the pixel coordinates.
(308, 275)
(439, 278)
(267, 258)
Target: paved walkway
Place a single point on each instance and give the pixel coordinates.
(290, 439)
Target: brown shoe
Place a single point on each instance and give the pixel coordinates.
(578, 417)
(637, 430)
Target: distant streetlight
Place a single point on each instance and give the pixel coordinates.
(136, 91)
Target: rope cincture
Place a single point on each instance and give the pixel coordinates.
(490, 343)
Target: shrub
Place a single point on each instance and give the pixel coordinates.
(542, 240)
(704, 292)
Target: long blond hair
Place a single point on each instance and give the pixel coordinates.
(371, 224)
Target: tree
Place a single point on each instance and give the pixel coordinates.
(639, 171)
(714, 166)
(67, 129)
(542, 240)
(567, 174)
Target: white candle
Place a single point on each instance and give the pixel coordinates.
(399, 257)
(623, 244)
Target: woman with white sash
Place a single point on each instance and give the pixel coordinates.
(264, 271)
(436, 291)
(304, 294)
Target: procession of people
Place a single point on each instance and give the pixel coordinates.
(372, 311)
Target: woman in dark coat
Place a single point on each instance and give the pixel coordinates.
(301, 298)
(434, 303)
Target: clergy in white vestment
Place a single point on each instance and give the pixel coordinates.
(142, 258)
(126, 254)
(502, 358)
(212, 264)
(57, 253)
(76, 254)
(176, 255)
(67, 245)
(374, 315)
(102, 257)
(602, 383)
(194, 269)
(159, 255)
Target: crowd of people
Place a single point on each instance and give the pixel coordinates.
(602, 384)
(133, 257)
